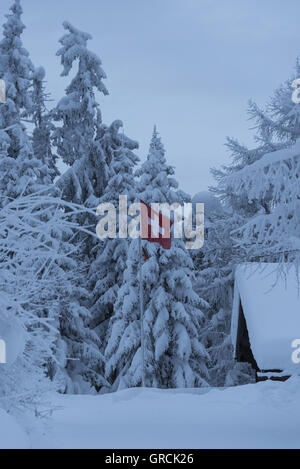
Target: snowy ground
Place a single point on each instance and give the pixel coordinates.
(263, 415)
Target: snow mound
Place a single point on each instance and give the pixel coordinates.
(262, 415)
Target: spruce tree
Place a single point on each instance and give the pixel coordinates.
(43, 126)
(108, 256)
(78, 142)
(174, 313)
(80, 127)
(261, 184)
(20, 171)
(275, 128)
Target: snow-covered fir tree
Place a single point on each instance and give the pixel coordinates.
(276, 128)
(43, 126)
(101, 264)
(279, 123)
(20, 170)
(268, 181)
(272, 235)
(77, 135)
(78, 109)
(108, 256)
(173, 317)
(77, 139)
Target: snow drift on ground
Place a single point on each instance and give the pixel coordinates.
(262, 415)
(11, 434)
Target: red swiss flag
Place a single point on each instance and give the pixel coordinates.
(155, 227)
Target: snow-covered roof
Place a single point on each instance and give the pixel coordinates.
(271, 305)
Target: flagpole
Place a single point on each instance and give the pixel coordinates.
(141, 311)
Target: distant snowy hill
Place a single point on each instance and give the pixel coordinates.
(211, 203)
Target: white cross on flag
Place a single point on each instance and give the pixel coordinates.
(155, 227)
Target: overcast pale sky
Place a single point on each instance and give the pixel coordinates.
(188, 66)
